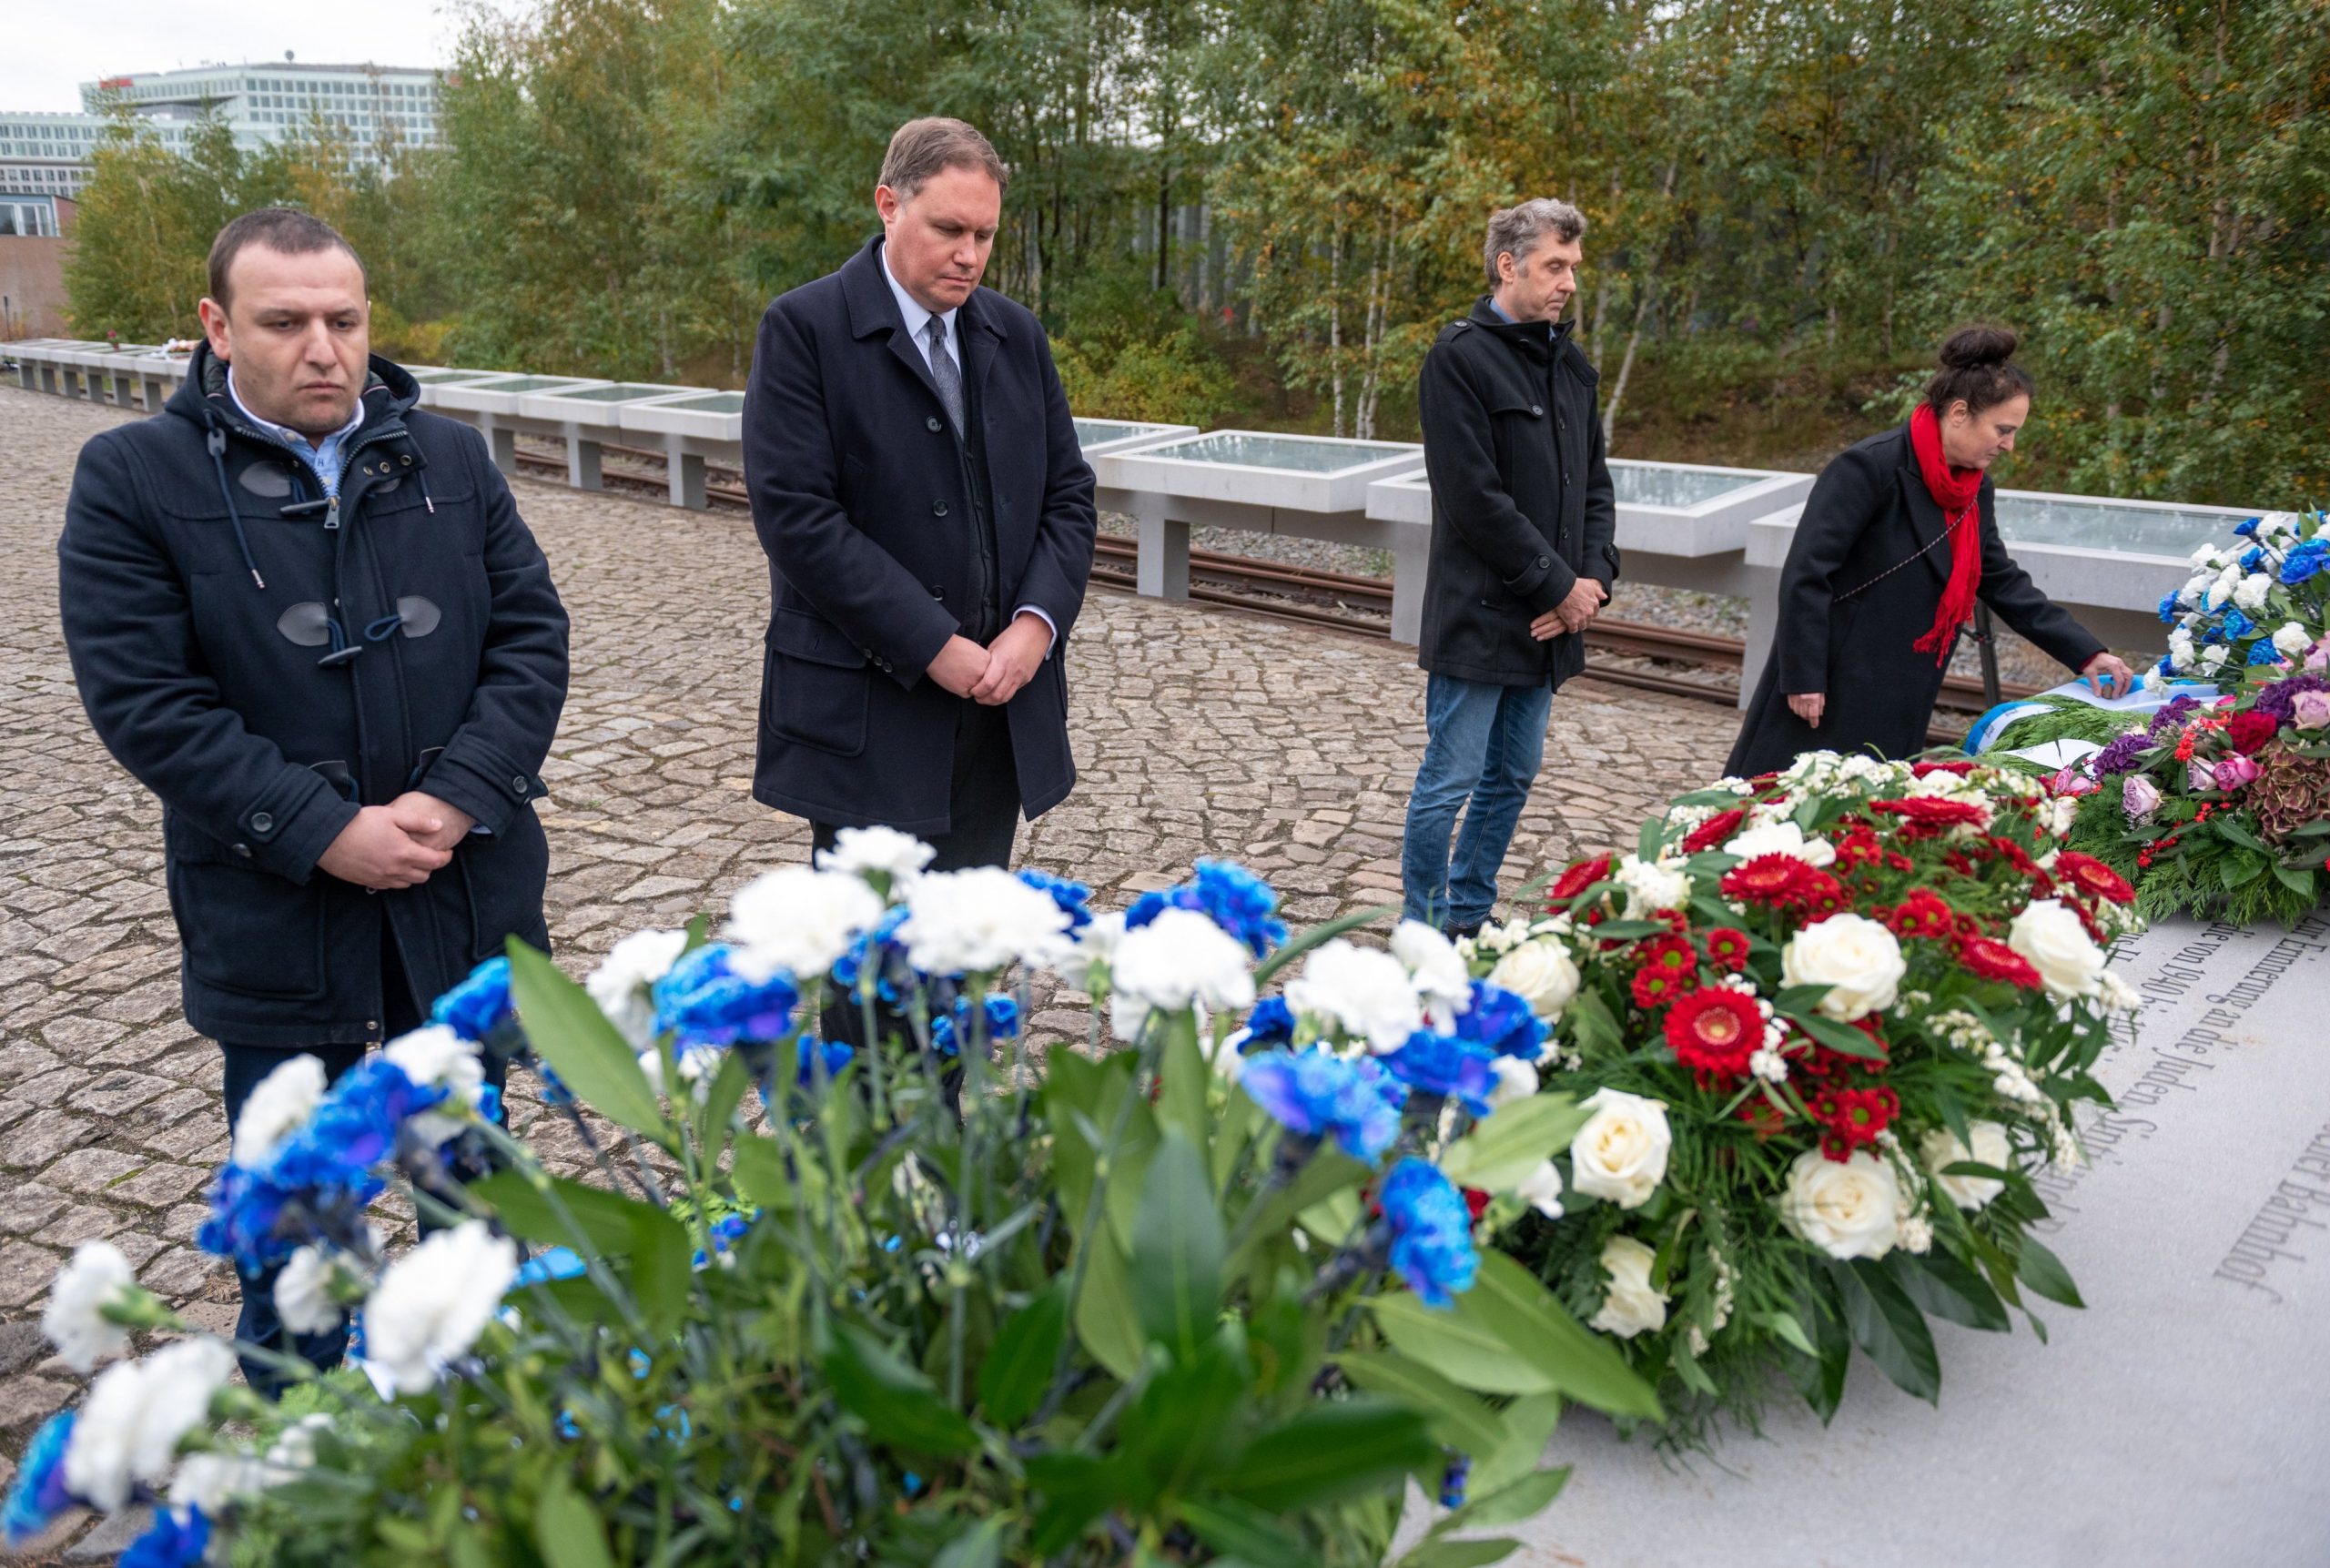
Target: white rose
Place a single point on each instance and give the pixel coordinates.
(278, 1106)
(2291, 640)
(129, 1428)
(432, 1304)
(2059, 947)
(1364, 989)
(1541, 1189)
(1177, 961)
(1541, 973)
(1852, 1210)
(623, 983)
(980, 922)
(869, 852)
(1516, 1080)
(1782, 838)
(1434, 966)
(1853, 955)
(1651, 887)
(798, 922)
(1632, 1305)
(1620, 1153)
(1941, 1150)
(2250, 594)
(98, 1277)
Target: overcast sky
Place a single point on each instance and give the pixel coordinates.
(49, 47)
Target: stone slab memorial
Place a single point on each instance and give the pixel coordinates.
(2182, 1418)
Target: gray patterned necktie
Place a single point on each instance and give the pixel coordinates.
(943, 372)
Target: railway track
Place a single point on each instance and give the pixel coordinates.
(1342, 601)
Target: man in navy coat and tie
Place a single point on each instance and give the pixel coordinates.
(929, 519)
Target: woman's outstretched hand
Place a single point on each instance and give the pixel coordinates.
(1809, 705)
(2109, 674)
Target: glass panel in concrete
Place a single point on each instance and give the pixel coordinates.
(2119, 527)
(1674, 486)
(1292, 454)
(712, 417)
(707, 403)
(431, 378)
(617, 392)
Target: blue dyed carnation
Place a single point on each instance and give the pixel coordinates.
(2168, 610)
(39, 1493)
(180, 1538)
(1454, 1479)
(478, 1005)
(2248, 529)
(1464, 1070)
(354, 1129)
(550, 1263)
(2252, 558)
(946, 1029)
(2236, 624)
(703, 1001)
(1431, 1232)
(2303, 561)
(1502, 1021)
(1317, 1096)
(808, 1051)
(1226, 892)
(1074, 900)
(1272, 1023)
(2262, 651)
(877, 950)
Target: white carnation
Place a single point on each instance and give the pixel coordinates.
(303, 1293)
(1858, 959)
(434, 1056)
(2214, 656)
(1651, 887)
(210, 1481)
(1940, 1149)
(1096, 945)
(2291, 641)
(622, 985)
(2275, 525)
(432, 1304)
(699, 1065)
(2049, 934)
(1848, 1209)
(136, 1411)
(798, 922)
(2250, 594)
(1541, 973)
(278, 1105)
(1365, 990)
(1433, 965)
(1516, 1080)
(1621, 1152)
(98, 1277)
(1541, 1189)
(980, 921)
(1180, 960)
(870, 851)
(1782, 838)
(1632, 1305)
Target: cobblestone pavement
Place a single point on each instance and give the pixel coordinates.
(1197, 732)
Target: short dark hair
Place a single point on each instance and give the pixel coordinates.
(1977, 365)
(286, 229)
(920, 149)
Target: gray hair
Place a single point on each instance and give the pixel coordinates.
(1515, 230)
(921, 148)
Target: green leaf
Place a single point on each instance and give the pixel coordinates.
(1460, 1420)
(1528, 1422)
(1241, 1530)
(1106, 1323)
(1019, 1365)
(2230, 826)
(1460, 1553)
(1509, 1143)
(567, 1030)
(1522, 1500)
(1589, 1016)
(602, 1224)
(663, 1268)
(900, 1407)
(1785, 1326)
(2240, 868)
(1889, 1328)
(1946, 1286)
(981, 1548)
(728, 1092)
(566, 1528)
(761, 1175)
(1629, 930)
(1326, 1173)
(1316, 936)
(1457, 1347)
(2045, 1272)
(1183, 1079)
(1177, 1246)
(1327, 1451)
(1841, 1038)
(1820, 1377)
(2296, 881)
(1513, 1304)
(1076, 1488)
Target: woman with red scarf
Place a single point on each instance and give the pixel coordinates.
(1898, 539)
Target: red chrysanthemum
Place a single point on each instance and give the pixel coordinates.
(1932, 811)
(1763, 1117)
(1859, 847)
(2014, 855)
(1668, 964)
(1715, 830)
(1766, 879)
(1897, 861)
(1715, 1030)
(2249, 732)
(1727, 948)
(1578, 878)
(1924, 912)
(2092, 877)
(1994, 960)
(1854, 1117)
(1820, 893)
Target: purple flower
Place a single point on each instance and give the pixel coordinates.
(2140, 797)
(1431, 1232)
(1317, 1096)
(2119, 755)
(2279, 700)
(2231, 772)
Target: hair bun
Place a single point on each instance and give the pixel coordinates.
(1973, 347)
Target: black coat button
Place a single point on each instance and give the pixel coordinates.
(938, 509)
(1537, 410)
(518, 785)
(262, 822)
(1543, 561)
(933, 423)
(244, 850)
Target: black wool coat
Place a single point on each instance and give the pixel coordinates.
(200, 570)
(1521, 504)
(1850, 608)
(860, 496)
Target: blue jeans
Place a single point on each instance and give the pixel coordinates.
(1485, 743)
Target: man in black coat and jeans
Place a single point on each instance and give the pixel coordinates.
(928, 518)
(1524, 523)
(307, 617)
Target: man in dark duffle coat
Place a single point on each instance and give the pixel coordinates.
(928, 518)
(306, 615)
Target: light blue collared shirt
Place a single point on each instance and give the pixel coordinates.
(325, 456)
(1508, 320)
(918, 318)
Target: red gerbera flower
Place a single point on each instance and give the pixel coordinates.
(1715, 1030)
(1715, 830)
(2092, 877)
(1727, 948)
(1578, 878)
(1933, 811)
(1766, 879)
(1994, 960)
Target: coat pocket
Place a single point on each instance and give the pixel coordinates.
(247, 931)
(502, 879)
(814, 686)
